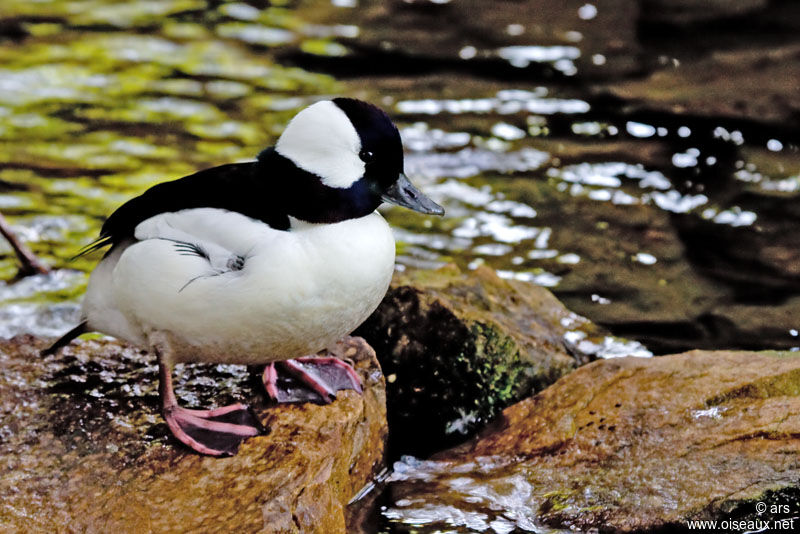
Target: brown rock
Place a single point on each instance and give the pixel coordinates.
(83, 448)
(459, 347)
(627, 444)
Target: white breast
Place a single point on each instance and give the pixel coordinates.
(298, 291)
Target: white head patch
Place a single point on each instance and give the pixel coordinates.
(322, 140)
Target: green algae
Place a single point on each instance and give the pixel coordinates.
(500, 373)
(556, 501)
(781, 385)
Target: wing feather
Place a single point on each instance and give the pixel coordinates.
(237, 187)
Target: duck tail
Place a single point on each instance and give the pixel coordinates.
(65, 339)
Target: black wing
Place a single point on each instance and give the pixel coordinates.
(240, 187)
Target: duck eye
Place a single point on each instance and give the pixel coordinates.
(366, 156)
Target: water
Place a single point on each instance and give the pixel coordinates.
(542, 180)
(559, 160)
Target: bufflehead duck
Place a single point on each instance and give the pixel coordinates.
(262, 262)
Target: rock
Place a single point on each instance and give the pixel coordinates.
(456, 348)
(83, 448)
(627, 444)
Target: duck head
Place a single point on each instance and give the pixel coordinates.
(344, 158)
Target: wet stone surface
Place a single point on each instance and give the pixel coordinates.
(459, 347)
(624, 445)
(82, 446)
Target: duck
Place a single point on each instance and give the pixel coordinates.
(267, 262)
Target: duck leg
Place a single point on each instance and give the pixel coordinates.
(214, 432)
(322, 378)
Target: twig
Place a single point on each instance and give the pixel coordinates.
(30, 263)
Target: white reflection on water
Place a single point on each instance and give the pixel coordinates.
(180, 108)
(453, 190)
(38, 319)
(541, 278)
(486, 223)
(27, 308)
(587, 12)
(505, 505)
(506, 131)
(608, 173)
(638, 129)
(606, 347)
(749, 174)
(686, 159)
(496, 226)
(256, 34)
(645, 258)
(675, 202)
(733, 216)
(492, 249)
(513, 208)
(426, 514)
(773, 145)
(587, 128)
(715, 412)
(420, 137)
(560, 57)
(504, 103)
(469, 162)
(484, 215)
(603, 182)
(238, 10)
(34, 286)
(51, 83)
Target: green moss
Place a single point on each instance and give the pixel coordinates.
(498, 367)
(555, 501)
(785, 384)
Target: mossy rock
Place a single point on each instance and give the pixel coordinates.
(457, 348)
(627, 445)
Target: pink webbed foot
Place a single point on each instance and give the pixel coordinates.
(217, 432)
(214, 432)
(309, 379)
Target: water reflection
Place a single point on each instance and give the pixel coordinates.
(93, 112)
(560, 57)
(505, 102)
(466, 500)
(42, 303)
(484, 226)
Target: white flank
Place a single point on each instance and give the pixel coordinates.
(297, 293)
(322, 140)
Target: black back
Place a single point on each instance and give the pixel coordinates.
(273, 187)
(235, 187)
